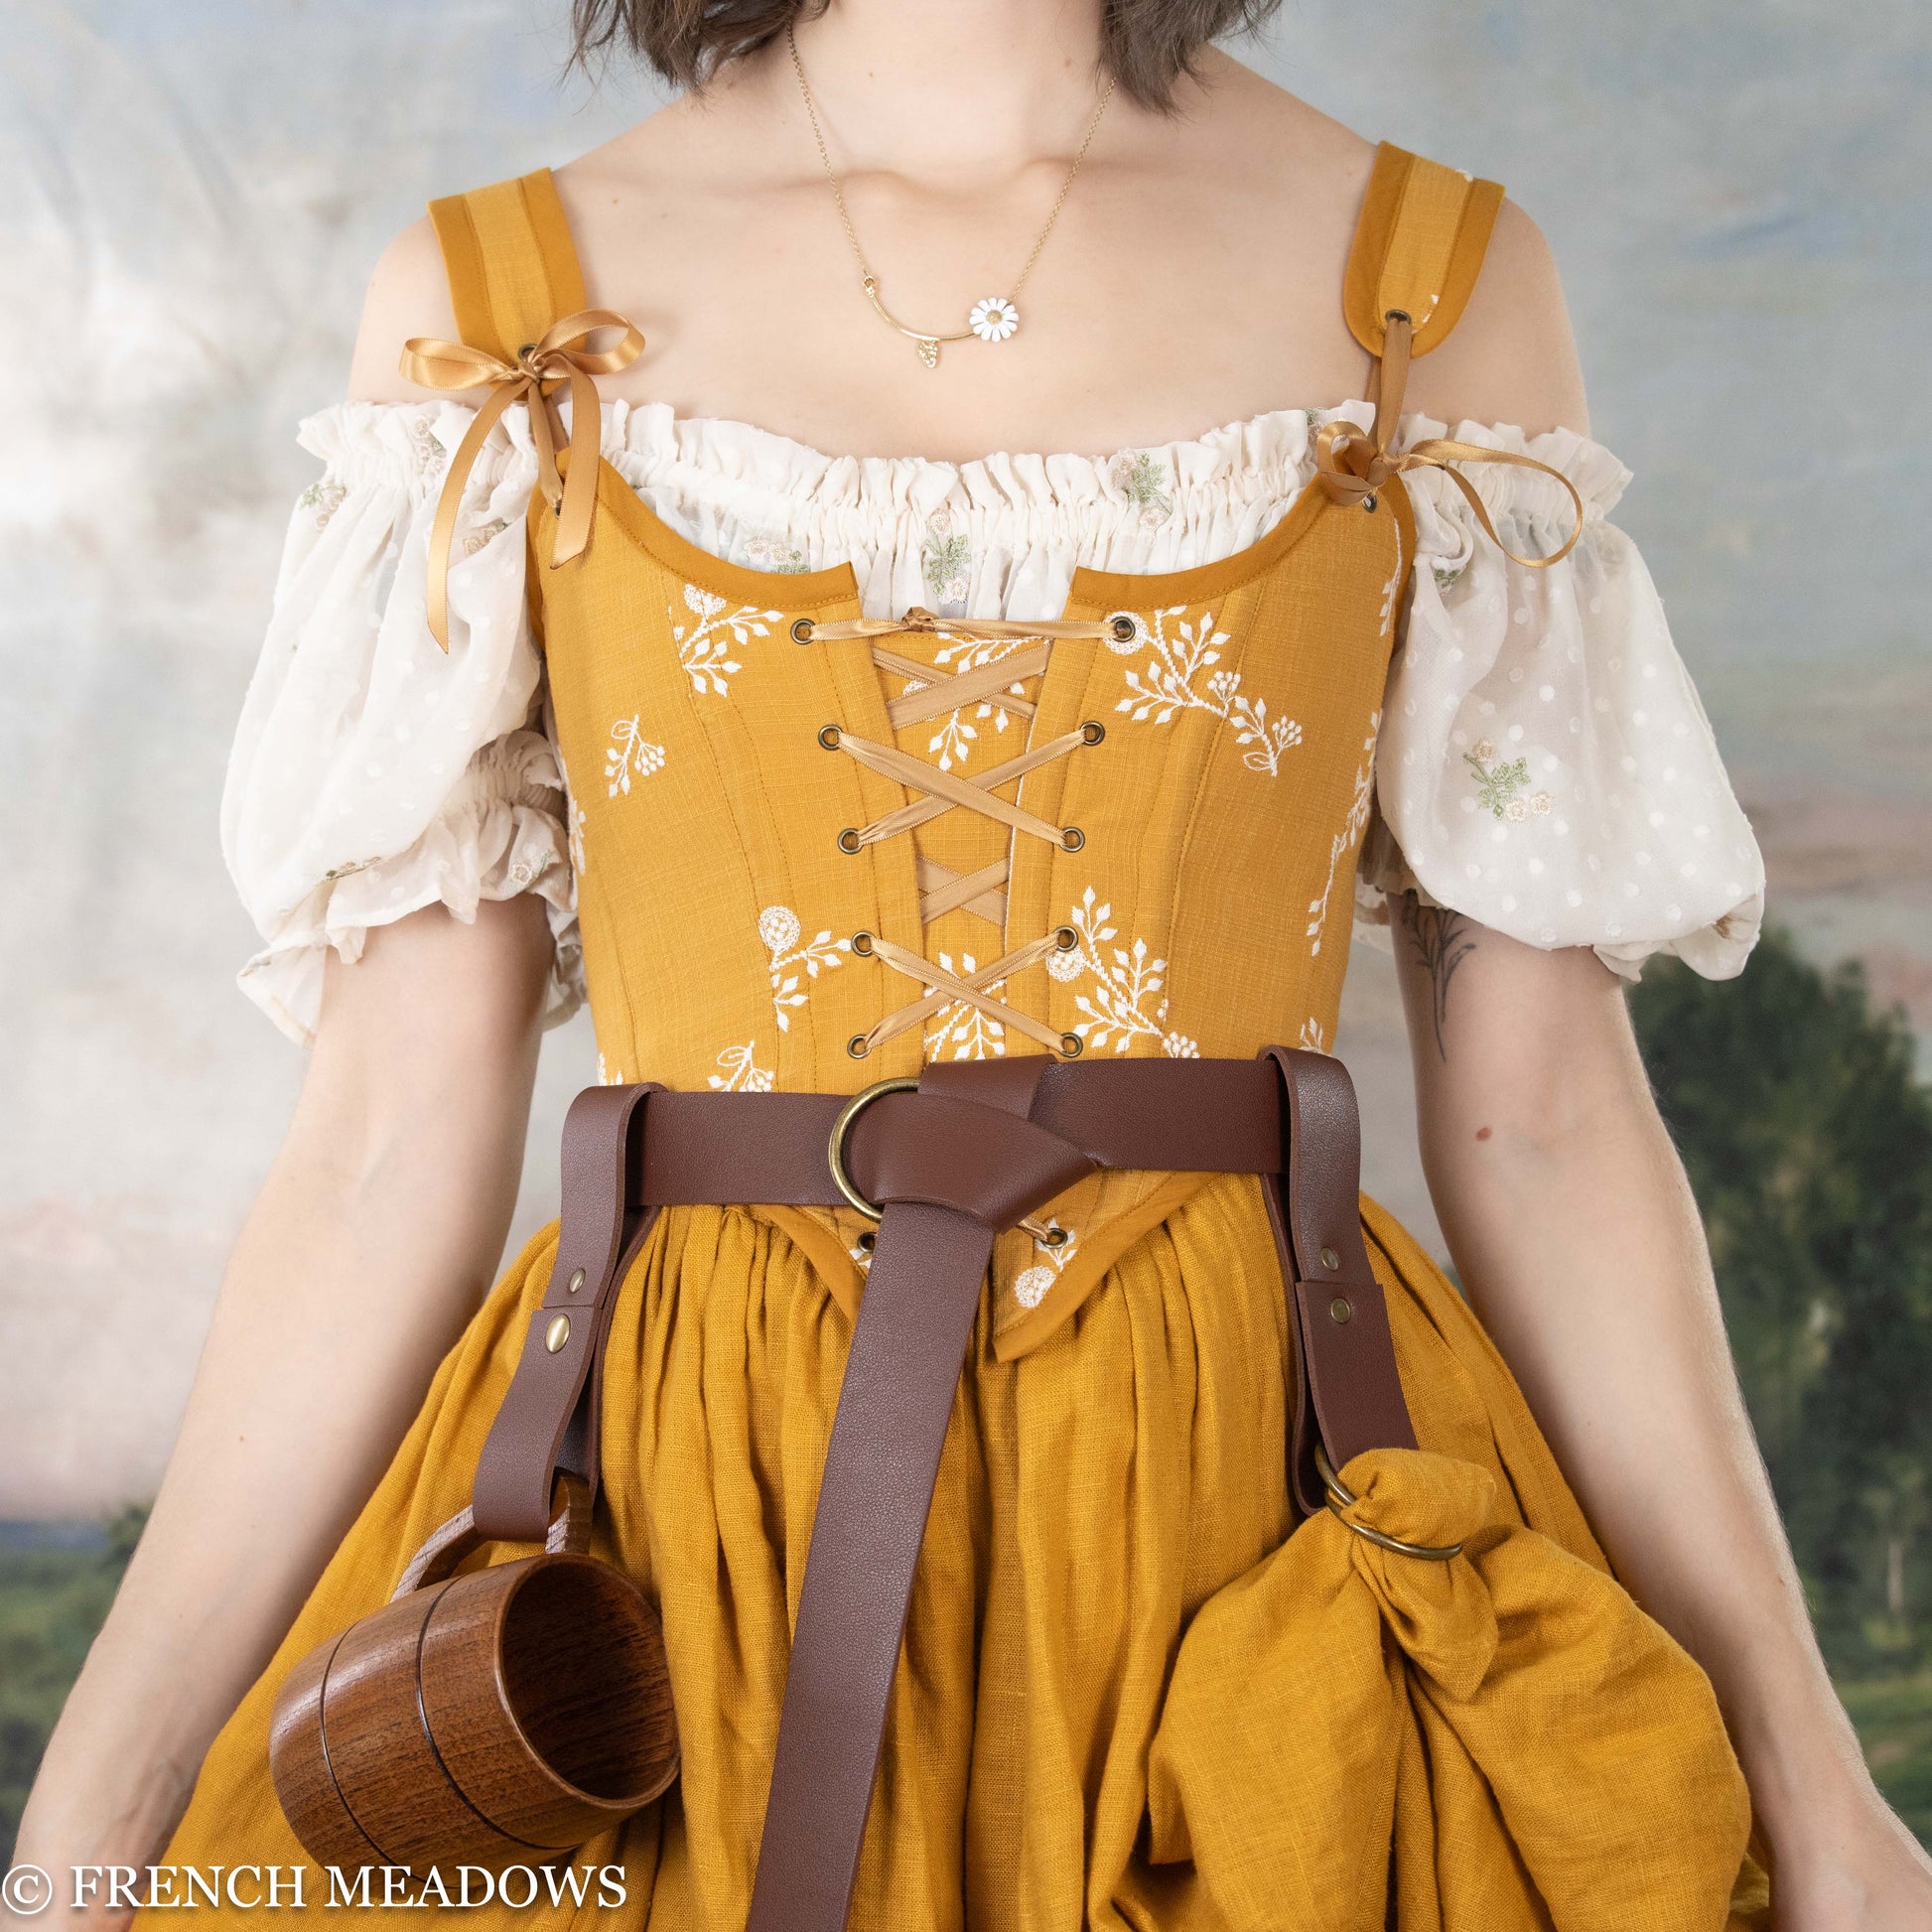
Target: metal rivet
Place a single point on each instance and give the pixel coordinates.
(575, 1283)
(1330, 1260)
(1341, 1308)
(1093, 730)
(1072, 838)
(1065, 938)
(828, 736)
(858, 1046)
(1072, 1046)
(1368, 503)
(802, 631)
(861, 944)
(1123, 628)
(556, 1333)
(849, 841)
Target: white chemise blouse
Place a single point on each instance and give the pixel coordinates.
(1544, 765)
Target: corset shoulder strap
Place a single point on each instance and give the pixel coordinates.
(512, 266)
(1418, 249)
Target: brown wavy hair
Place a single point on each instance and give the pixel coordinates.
(1146, 45)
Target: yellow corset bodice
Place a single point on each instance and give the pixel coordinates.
(802, 861)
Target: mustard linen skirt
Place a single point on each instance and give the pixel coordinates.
(1093, 1495)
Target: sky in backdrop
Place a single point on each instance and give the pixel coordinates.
(192, 196)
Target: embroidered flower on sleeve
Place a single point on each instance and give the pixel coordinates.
(324, 497)
(1499, 786)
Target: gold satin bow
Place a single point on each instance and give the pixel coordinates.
(1356, 464)
(556, 357)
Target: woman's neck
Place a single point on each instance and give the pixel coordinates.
(942, 90)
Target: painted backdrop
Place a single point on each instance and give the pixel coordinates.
(191, 199)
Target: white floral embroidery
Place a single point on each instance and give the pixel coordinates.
(742, 1073)
(1352, 826)
(706, 653)
(954, 737)
(483, 538)
(1119, 1009)
(1169, 685)
(1392, 590)
(970, 1033)
(629, 752)
(1312, 1037)
(779, 928)
(608, 1076)
(1029, 1286)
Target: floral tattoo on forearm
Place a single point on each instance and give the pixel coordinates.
(1439, 940)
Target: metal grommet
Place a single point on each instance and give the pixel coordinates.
(1123, 628)
(1398, 315)
(1368, 503)
(861, 943)
(1072, 1046)
(1054, 1238)
(1330, 1260)
(575, 1283)
(835, 1146)
(858, 1046)
(829, 736)
(1072, 838)
(849, 841)
(1092, 731)
(556, 1333)
(526, 350)
(1340, 1308)
(1065, 938)
(802, 631)
(868, 1240)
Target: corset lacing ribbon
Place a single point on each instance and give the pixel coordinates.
(931, 692)
(1354, 465)
(558, 357)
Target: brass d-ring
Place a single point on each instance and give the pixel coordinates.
(835, 1148)
(1340, 1496)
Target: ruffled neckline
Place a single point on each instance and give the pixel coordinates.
(1266, 457)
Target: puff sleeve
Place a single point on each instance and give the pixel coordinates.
(372, 774)
(1545, 765)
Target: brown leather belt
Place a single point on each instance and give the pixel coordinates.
(948, 1164)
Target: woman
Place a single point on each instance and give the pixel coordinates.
(1547, 811)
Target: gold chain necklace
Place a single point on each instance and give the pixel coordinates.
(993, 319)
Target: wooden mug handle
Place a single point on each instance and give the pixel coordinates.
(446, 1545)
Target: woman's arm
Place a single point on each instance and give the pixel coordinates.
(1574, 1229)
(375, 1235)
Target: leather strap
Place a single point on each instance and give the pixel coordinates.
(548, 1420)
(978, 1146)
(1348, 1395)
